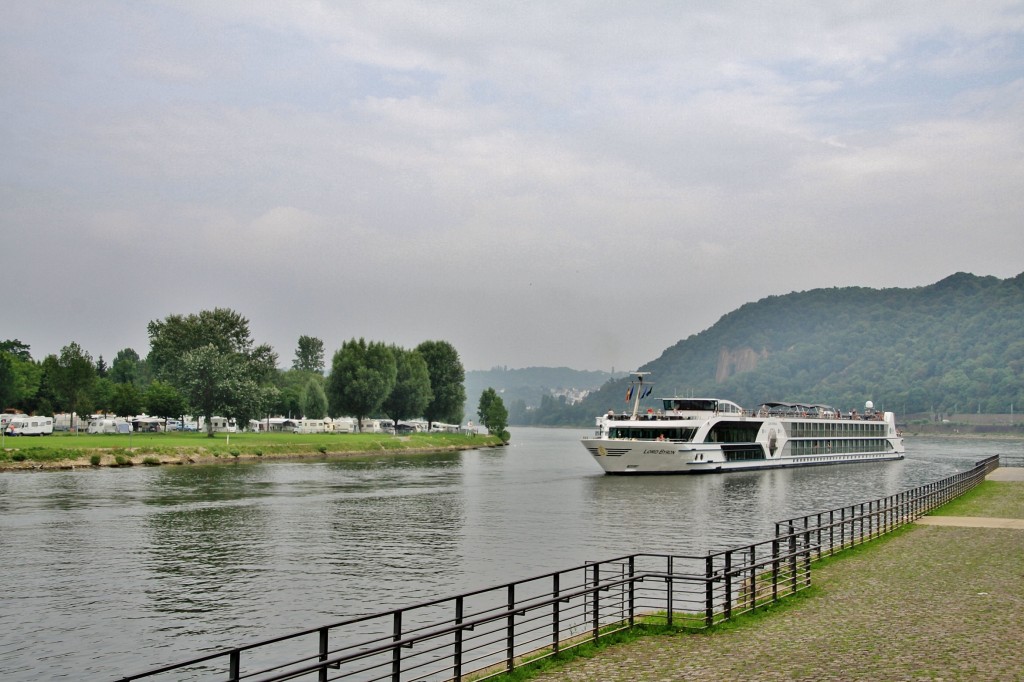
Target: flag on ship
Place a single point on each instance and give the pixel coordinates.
(629, 393)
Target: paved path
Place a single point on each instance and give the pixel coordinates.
(971, 522)
(939, 603)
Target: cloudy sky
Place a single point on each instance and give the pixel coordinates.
(540, 183)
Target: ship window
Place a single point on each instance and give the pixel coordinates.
(733, 432)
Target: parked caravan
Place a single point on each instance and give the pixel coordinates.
(341, 425)
(220, 424)
(109, 425)
(310, 426)
(143, 423)
(30, 426)
(7, 417)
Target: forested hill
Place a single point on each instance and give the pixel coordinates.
(956, 345)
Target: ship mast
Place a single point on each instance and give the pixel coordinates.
(638, 385)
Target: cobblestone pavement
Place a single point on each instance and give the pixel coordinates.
(937, 603)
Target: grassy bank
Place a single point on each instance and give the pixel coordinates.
(64, 450)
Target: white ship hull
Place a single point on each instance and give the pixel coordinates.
(698, 435)
(651, 457)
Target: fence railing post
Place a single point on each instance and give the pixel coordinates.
(792, 558)
(596, 625)
(728, 585)
(396, 653)
(632, 590)
(556, 625)
(775, 569)
(235, 666)
(510, 629)
(753, 577)
(457, 667)
(670, 585)
(709, 591)
(322, 673)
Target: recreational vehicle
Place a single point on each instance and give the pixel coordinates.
(30, 426)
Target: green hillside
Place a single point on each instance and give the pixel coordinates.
(954, 346)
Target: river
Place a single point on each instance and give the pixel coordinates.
(112, 571)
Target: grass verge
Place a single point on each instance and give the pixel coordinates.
(65, 450)
(653, 625)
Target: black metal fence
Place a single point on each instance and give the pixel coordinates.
(837, 529)
(483, 633)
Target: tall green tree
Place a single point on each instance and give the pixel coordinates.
(74, 378)
(314, 400)
(8, 381)
(447, 382)
(163, 400)
(19, 383)
(125, 400)
(17, 349)
(210, 358)
(411, 394)
(493, 414)
(362, 377)
(126, 367)
(309, 356)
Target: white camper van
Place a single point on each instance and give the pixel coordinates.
(30, 426)
(310, 426)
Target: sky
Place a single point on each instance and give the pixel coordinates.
(577, 184)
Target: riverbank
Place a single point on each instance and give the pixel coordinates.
(928, 603)
(70, 451)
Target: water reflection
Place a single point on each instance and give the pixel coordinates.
(121, 569)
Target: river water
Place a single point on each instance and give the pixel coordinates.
(113, 571)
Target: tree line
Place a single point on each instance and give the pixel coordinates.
(207, 364)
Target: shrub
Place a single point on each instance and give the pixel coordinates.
(18, 457)
(235, 453)
(95, 460)
(120, 460)
(151, 461)
(259, 453)
(322, 449)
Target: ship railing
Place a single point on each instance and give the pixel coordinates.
(490, 631)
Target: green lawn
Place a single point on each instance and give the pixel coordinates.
(69, 446)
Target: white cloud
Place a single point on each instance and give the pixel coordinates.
(554, 165)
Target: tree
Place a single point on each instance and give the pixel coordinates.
(101, 367)
(163, 400)
(17, 349)
(126, 400)
(411, 394)
(74, 378)
(493, 414)
(207, 379)
(314, 400)
(125, 368)
(8, 388)
(362, 377)
(101, 395)
(211, 360)
(19, 376)
(447, 378)
(309, 356)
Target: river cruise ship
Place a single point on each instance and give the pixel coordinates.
(710, 435)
